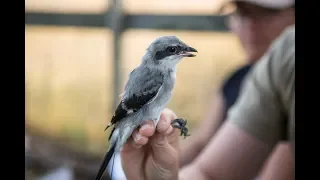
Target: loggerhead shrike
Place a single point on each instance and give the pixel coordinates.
(147, 92)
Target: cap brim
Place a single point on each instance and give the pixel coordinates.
(223, 7)
(271, 4)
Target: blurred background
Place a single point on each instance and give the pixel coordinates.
(78, 56)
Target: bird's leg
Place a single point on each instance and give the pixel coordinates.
(181, 124)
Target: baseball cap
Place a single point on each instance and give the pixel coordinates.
(226, 6)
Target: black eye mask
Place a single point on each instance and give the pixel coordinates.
(171, 50)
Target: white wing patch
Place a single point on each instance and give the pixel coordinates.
(155, 95)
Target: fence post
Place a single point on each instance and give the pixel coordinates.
(116, 19)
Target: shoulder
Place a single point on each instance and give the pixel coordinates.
(281, 55)
(283, 52)
(269, 84)
(277, 68)
(282, 66)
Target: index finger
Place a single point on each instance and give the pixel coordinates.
(147, 129)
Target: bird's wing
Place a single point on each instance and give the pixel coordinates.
(141, 89)
(130, 76)
(136, 101)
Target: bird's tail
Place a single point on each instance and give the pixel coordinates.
(105, 162)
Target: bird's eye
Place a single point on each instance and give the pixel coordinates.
(172, 49)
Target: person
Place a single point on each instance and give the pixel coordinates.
(256, 23)
(263, 115)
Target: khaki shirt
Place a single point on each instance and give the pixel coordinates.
(266, 105)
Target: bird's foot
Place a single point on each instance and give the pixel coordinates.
(181, 124)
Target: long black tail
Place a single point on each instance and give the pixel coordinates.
(105, 162)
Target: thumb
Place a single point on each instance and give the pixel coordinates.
(163, 152)
(163, 129)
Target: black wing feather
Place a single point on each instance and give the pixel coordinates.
(134, 103)
(131, 105)
(140, 94)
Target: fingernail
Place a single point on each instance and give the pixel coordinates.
(146, 126)
(162, 123)
(137, 137)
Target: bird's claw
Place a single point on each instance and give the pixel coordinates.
(181, 124)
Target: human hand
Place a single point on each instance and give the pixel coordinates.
(152, 153)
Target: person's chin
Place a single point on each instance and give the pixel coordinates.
(253, 55)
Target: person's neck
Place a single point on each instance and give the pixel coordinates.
(253, 60)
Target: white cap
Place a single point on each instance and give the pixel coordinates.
(221, 5)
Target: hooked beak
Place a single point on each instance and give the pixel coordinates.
(187, 52)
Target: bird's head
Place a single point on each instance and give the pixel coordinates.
(168, 50)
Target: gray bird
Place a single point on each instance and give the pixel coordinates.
(147, 92)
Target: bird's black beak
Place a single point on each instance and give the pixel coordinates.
(187, 52)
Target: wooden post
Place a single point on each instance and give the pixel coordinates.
(116, 19)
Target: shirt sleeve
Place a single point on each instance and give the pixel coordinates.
(264, 100)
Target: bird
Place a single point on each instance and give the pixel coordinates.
(147, 92)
